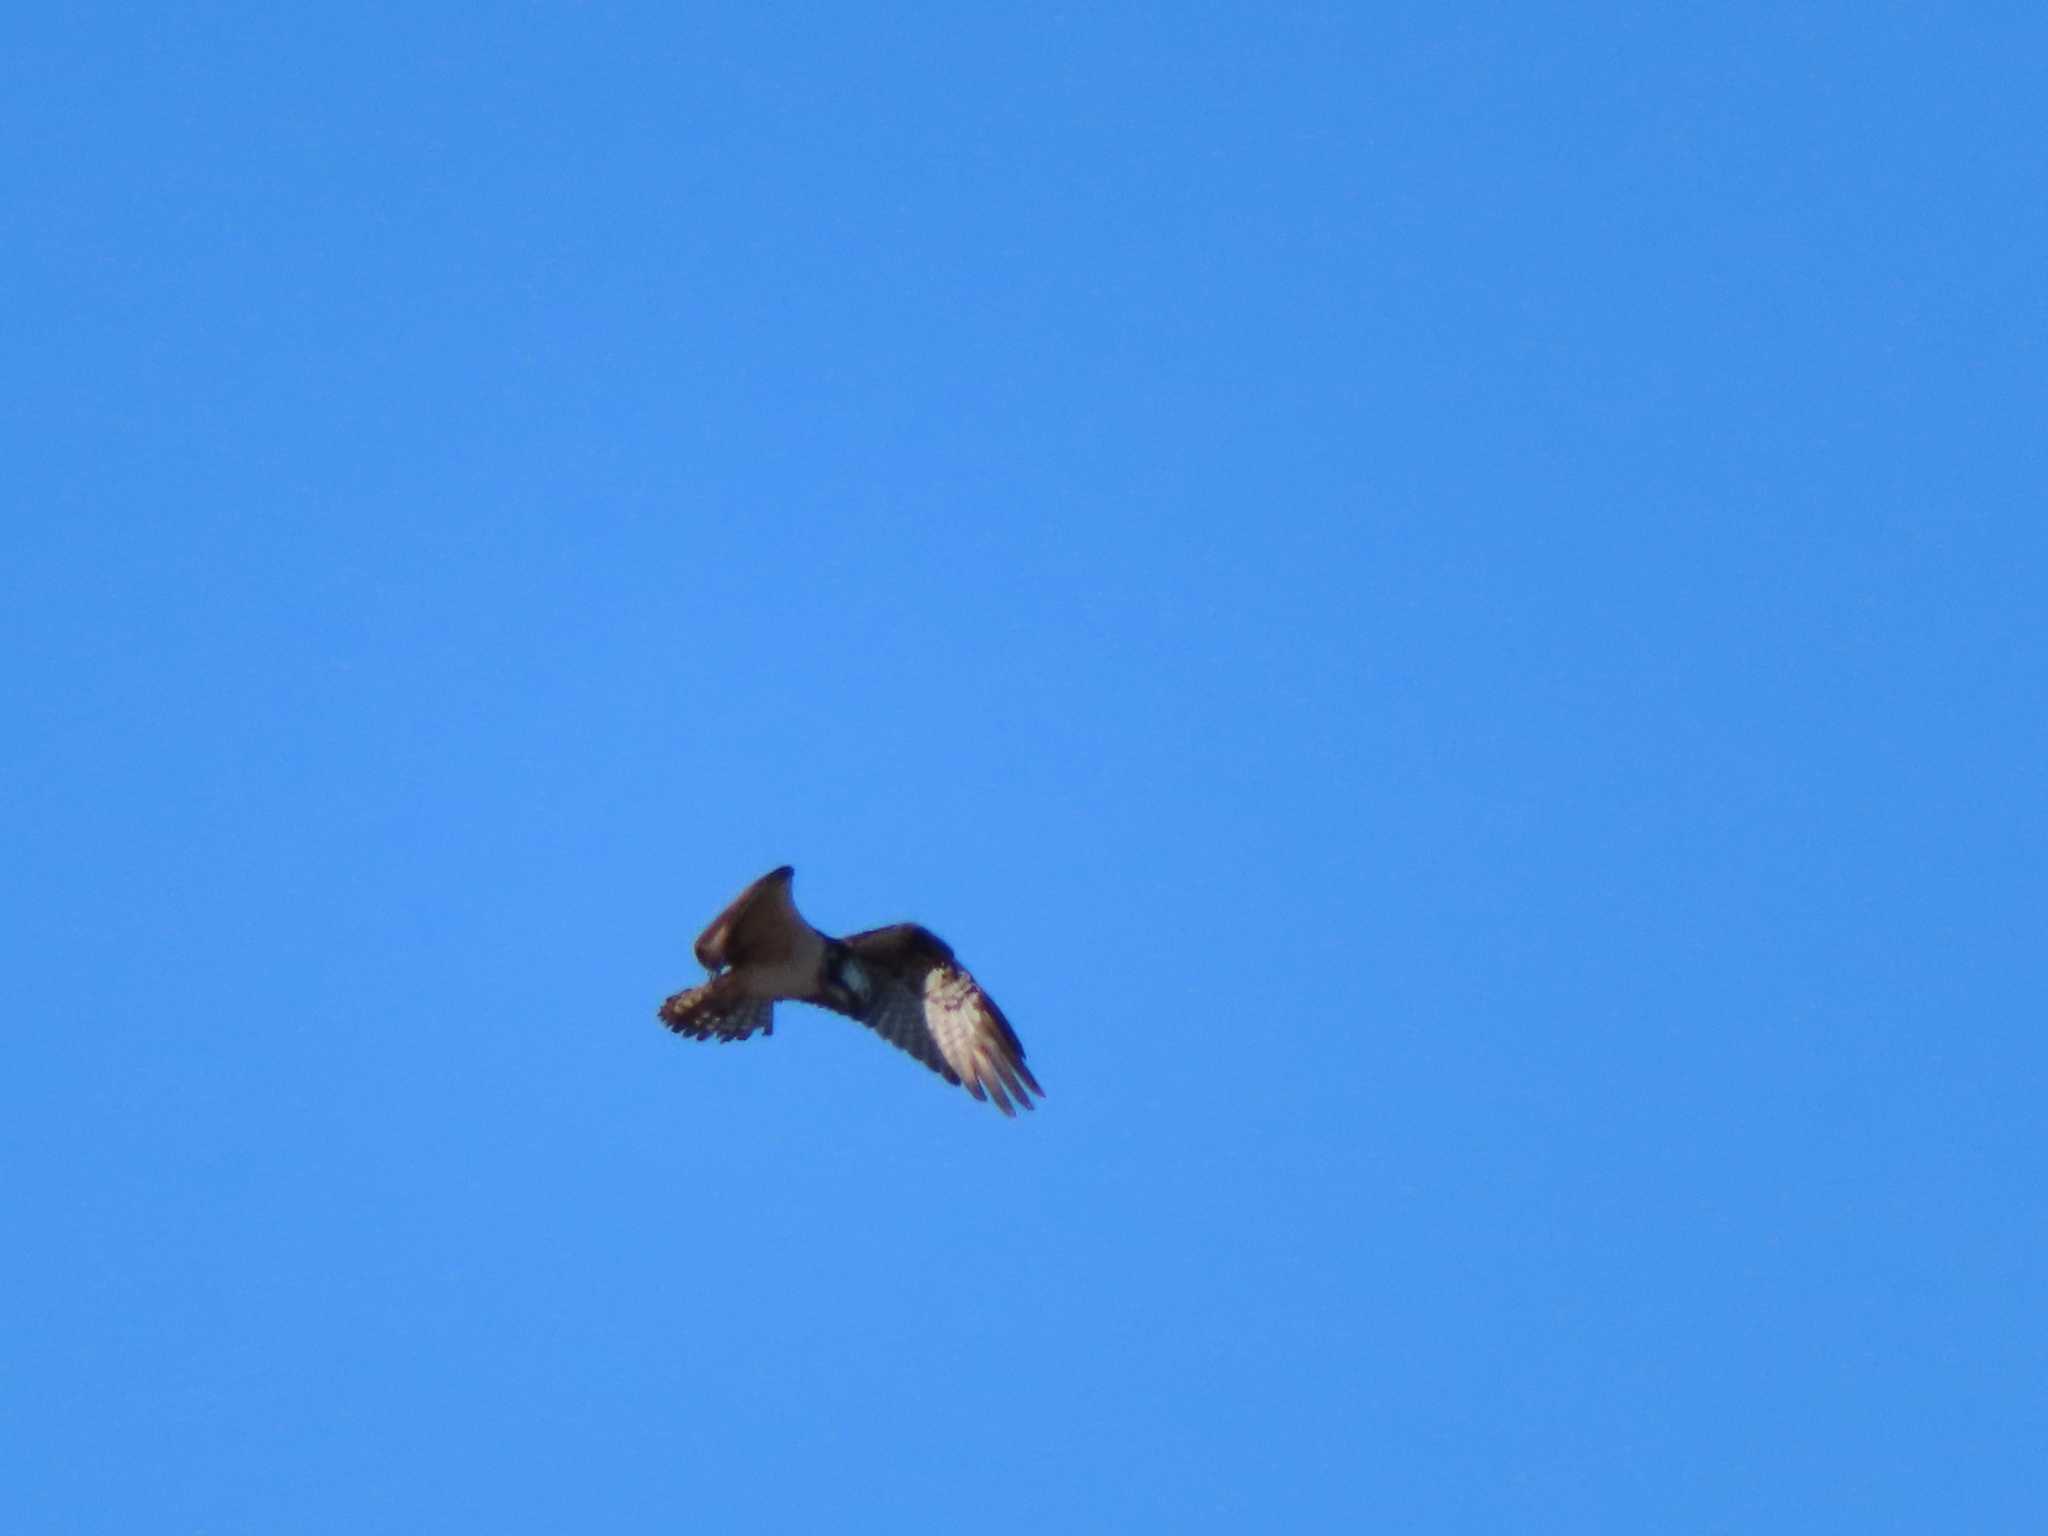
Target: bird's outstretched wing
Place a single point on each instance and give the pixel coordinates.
(718, 1010)
(908, 988)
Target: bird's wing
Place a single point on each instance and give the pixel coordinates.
(910, 990)
(718, 1010)
(757, 924)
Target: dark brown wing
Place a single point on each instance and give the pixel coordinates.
(718, 1010)
(756, 925)
(908, 988)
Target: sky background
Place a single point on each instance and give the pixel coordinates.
(1446, 604)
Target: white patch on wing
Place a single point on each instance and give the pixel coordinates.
(952, 1011)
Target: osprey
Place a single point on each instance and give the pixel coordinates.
(901, 981)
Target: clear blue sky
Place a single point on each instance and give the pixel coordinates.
(1447, 605)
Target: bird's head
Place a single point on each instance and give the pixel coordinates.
(846, 979)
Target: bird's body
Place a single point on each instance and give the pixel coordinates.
(901, 981)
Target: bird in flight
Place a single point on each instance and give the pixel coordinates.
(901, 981)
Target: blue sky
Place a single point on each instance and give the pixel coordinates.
(1445, 604)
